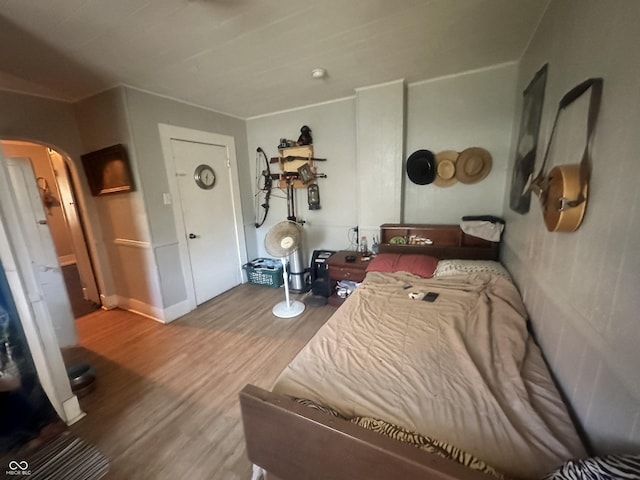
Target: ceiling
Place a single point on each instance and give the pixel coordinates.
(252, 57)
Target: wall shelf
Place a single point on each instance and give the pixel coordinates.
(290, 160)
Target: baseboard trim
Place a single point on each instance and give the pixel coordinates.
(176, 311)
(72, 410)
(140, 308)
(166, 315)
(109, 302)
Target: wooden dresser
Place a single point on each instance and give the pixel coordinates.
(341, 269)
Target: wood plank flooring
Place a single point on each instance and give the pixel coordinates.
(166, 399)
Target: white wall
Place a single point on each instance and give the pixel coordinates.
(380, 141)
(581, 289)
(145, 112)
(473, 109)
(334, 138)
(129, 281)
(139, 229)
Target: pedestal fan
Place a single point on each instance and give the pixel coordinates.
(282, 240)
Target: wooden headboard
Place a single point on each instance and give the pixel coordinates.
(441, 241)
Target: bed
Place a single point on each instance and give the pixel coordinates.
(460, 377)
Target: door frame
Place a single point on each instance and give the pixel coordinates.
(169, 133)
(62, 167)
(81, 237)
(32, 309)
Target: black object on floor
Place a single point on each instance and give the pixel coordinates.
(320, 284)
(82, 378)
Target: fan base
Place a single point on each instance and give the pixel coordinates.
(282, 310)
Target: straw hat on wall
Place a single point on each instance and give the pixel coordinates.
(473, 165)
(446, 168)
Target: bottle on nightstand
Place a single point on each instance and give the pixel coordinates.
(364, 248)
(374, 246)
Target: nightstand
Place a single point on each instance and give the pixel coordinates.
(340, 269)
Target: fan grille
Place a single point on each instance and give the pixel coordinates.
(283, 239)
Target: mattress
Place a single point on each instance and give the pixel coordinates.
(463, 369)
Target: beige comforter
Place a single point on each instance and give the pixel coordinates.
(462, 369)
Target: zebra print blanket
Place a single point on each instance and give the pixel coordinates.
(610, 467)
(423, 442)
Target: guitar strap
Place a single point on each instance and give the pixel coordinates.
(539, 184)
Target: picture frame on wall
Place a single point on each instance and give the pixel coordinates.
(526, 151)
(108, 170)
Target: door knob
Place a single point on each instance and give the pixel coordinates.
(193, 235)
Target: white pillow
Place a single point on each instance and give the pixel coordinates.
(447, 268)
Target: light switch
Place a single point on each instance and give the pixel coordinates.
(166, 198)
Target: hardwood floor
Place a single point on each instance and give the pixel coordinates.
(165, 404)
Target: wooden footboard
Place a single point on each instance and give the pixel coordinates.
(295, 442)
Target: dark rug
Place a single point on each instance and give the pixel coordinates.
(67, 457)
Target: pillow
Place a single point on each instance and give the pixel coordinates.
(446, 268)
(610, 467)
(420, 265)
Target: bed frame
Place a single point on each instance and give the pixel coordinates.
(441, 241)
(294, 442)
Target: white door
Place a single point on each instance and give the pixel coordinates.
(39, 244)
(208, 217)
(36, 318)
(69, 206)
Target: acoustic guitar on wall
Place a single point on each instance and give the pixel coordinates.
(563, 191)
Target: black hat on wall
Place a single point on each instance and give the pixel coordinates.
(421, 167)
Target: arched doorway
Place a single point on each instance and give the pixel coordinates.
(52, 170)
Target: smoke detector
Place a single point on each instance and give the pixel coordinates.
(319, 73)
